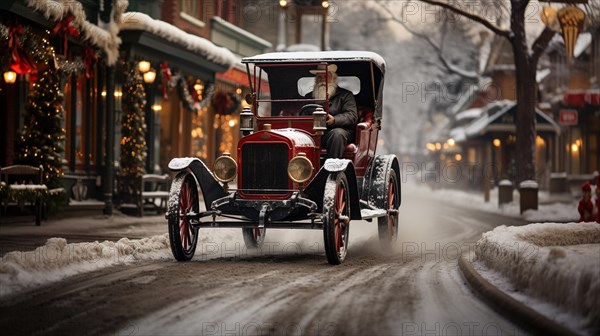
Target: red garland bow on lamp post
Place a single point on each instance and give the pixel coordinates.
(166, 77)
(89, 58)
(19, 60)
(63, 29)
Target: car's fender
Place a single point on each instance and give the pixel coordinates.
(375, 181)
(211, 188)
(316, 187)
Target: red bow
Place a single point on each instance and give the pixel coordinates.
(166, 76)
(64, 28)
(19, 60)
(89, 58)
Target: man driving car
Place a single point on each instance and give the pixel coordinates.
(343, 115)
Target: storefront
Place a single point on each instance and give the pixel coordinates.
(579, 115)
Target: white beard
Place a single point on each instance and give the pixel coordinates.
(319, 91)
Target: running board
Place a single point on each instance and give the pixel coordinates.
(372, 213)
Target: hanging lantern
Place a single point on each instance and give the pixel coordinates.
(10, 77)
(571, 20)
(550, 19)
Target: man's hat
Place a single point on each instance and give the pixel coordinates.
(321, 69)
(586, 186)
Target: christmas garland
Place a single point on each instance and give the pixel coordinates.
(185, 96)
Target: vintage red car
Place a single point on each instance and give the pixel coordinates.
(284, 180)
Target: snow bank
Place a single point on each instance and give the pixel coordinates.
(57, 260)
(540, 260)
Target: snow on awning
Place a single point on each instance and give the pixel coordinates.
(105, 37)
(193, 43)
(504, 121)
(469, 114)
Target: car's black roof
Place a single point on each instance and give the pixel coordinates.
(368, 66)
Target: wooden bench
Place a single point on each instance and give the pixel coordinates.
(22, 183)
(145, 190)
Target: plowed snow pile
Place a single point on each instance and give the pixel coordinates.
(57, 260)
(559, 263)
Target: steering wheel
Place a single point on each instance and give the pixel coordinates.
(308, 109)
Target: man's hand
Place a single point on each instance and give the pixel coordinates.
(330, 120)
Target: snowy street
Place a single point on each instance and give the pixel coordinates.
(288, 288)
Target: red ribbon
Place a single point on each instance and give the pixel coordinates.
(63, 29)
(19, 60)
(166, 77)
(89, 58)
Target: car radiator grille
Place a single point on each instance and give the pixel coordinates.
(264, 168)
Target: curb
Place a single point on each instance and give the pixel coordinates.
(503, 303)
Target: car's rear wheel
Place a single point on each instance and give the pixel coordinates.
(336, 218)
(388, 225)
(254, 237)
(183, 200)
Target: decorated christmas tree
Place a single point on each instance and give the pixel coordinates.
(42, 136)
(133, 128)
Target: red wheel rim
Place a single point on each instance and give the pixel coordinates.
(186, 201)
(340, 205)
(256, 234)
(391, 218)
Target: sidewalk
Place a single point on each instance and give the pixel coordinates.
(25, 236)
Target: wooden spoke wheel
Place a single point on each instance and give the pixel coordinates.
(183, 200)
(388, 225)
(254, 237)
(336, 218)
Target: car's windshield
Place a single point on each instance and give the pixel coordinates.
(291, 88)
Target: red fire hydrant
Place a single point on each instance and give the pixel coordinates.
(586, 207)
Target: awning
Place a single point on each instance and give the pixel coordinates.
(582, 98)
(157, 40)
(501, 120)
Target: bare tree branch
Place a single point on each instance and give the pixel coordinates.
(541, 43)
(452, 68)
(477, 18)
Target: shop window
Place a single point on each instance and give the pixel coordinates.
(80, 113)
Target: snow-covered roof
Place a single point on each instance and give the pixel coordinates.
(318, 56)
(542, 74)
(482, 125)
(193, 43)
(583, 42)
(469, 114)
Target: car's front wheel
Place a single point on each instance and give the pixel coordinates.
(336, 218)
(183, 201)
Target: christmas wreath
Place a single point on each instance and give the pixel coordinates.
(225, 103)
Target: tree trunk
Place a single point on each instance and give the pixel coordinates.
(525, 71)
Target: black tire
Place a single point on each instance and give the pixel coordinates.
(388, 225)
(336, 202)
(254, 237)
(183, 198)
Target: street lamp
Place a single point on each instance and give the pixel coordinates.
(150, 76)
(144, 66)
(282, 3)
(10, 77)
(325, 4)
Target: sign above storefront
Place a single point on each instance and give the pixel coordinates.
(568, 117)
